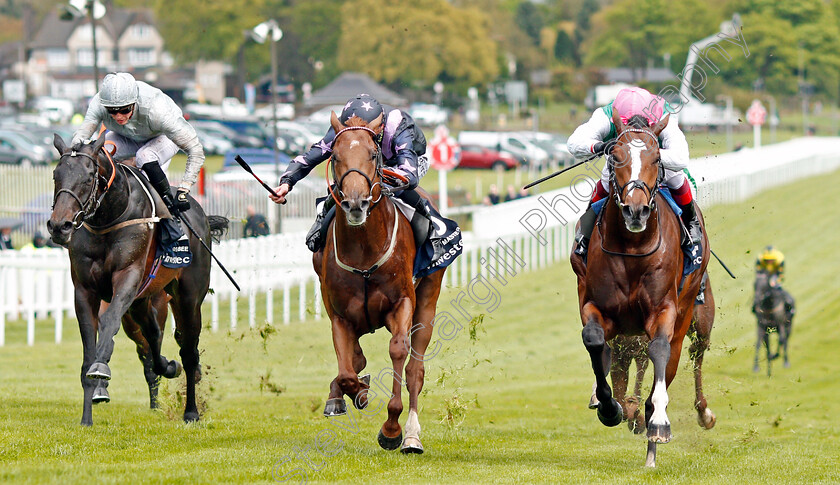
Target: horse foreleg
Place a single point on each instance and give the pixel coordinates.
(186, 309)
(762, 333)
(700, 338)
(619, 371)
(636, 419)
(398, 321)
(415, 372)
(664, 351)
(125, 285)
(767, 349)
(87, 313)
(347, 381)
(610, 412)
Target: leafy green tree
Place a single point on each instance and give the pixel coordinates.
(528, 19)
(564, 47)
(416, 43)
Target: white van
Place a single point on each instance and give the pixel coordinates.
(513, 143)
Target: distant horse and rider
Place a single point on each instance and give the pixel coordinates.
(773, 306)
(640, 273)
(106, 216)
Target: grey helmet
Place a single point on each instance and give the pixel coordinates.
(118, 89)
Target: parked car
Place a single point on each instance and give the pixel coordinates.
(506, 142)
(219, 130)
(428, 114)
(15, 148)
(554, 145)
(474, 156)
(212, 143)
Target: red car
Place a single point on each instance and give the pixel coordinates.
(474, 156)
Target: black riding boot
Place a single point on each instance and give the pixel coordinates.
(692, 222)
(315, 236)
(587, 224)
(171, 229)
(421, 222)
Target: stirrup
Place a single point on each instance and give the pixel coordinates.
(581, 245)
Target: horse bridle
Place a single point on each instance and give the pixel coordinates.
(618, 190)
(88, 208)
(377, 171)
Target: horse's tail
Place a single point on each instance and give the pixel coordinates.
(218, 226)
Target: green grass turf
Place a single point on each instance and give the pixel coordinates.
(504, 401)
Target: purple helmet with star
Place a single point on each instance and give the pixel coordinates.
(364, 106)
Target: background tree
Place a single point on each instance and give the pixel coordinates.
(529, 20)
(417, 43)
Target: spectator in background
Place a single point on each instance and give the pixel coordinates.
(523, 192)
(493, 197)
(511, 194)
(255, 224)
(6, 238)
(38, 242)
(6, 227)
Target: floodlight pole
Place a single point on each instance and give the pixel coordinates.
(95, 51)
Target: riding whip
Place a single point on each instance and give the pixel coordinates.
(535, 182)
(721, 263)
(189, 226)
(248, 169)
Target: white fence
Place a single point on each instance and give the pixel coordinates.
(275, 272)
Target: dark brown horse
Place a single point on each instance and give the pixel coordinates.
(627, 349)
(105, 214)
(631, 283)
(773, 308)
(365, 271)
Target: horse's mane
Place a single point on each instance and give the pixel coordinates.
(638, 121)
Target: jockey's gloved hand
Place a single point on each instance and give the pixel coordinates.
(182, 203)
(598, 148)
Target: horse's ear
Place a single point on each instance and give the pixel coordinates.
(616, 119)
(657, 128)
(376, 125)
(98, 144)
(336, 124)
(59, 144)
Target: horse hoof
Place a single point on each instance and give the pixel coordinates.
(706, 419)
(173, 369)
(787, 365)
(412, 445)
(100, 394)
(335, 407)
(659, 433)
(387, 443)
(756, 369)
(99, 371)
(611, 417)
(593, 402)
(190, 417)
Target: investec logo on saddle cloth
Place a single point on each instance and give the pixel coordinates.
(179, 256)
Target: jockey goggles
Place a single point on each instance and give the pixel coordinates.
(120, 110)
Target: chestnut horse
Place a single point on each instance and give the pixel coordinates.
(365, 271)
(631, 283)
(105, 214)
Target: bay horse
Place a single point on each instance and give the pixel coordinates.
(772, 307)
(632, 283)
(105, 214)
(627, 349)
(365, 271)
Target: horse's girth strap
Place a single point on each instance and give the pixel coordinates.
(133, 222)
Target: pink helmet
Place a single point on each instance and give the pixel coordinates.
(637, 101)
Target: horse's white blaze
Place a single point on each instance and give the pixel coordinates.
(636, 147)
(412, 425)
(660, 402)
(354, 143)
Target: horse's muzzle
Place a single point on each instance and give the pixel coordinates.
(356, 210)
(635, 217)
(60, 232)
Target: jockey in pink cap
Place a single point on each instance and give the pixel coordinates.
(592, 137)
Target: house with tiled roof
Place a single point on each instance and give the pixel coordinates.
(61, 52)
